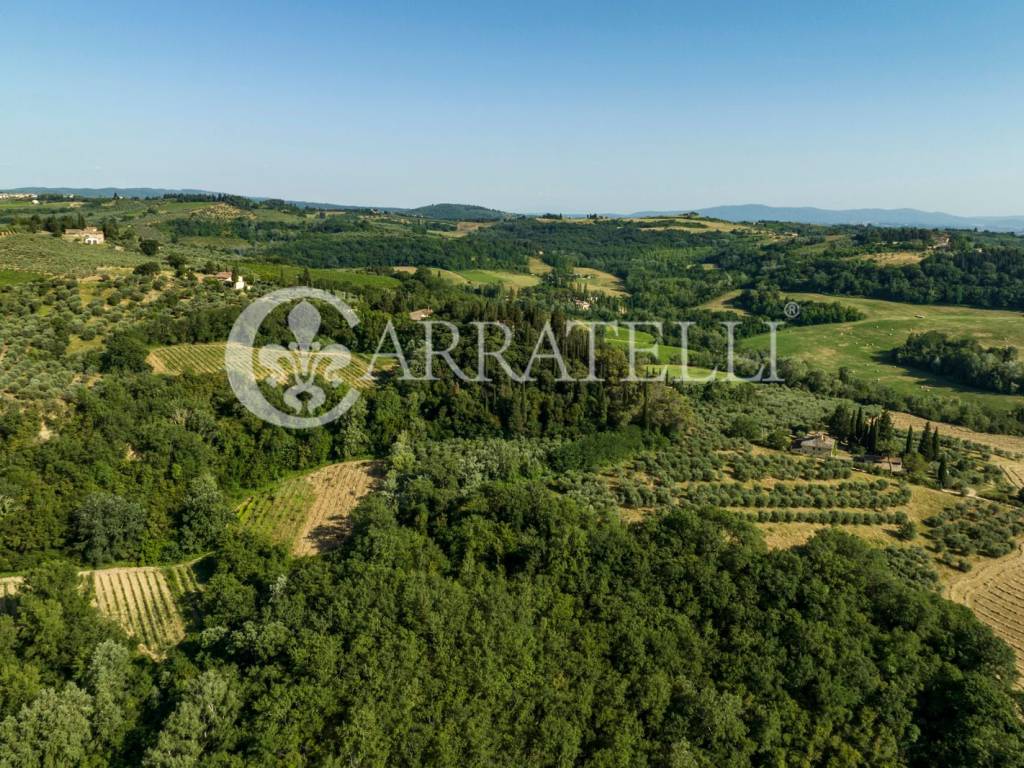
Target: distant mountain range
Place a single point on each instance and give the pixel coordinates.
(899, 217)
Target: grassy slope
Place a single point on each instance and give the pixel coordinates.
(863, 346)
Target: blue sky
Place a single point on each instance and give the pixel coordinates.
(526, 107)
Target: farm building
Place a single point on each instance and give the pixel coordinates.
(420, 314)
(89, 235)
(816, 444)
(238, 283)
(893, 464)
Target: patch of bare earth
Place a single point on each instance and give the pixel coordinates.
(337, 490)
(154, 361)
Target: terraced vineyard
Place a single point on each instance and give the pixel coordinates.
(142, 601)
(995, 592)
(337, 490)
(209, 358)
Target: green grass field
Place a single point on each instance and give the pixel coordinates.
(513, 280)
(477, 277)
(356, 278)
(17, 277)
(863, 346)
(596, 281)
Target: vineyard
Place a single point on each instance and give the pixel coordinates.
(143, 601)
(278, 512)
(209, 358)
(995, 592)
(309, 513)
(337, 489)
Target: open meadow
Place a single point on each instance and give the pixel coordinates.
(863, 346)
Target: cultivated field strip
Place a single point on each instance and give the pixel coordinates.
(995, 592)
(309, 514)
(337, 490)
(209, 358)
(8, 588)
(143, 602)
(278, 513)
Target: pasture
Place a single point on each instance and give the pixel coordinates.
(595, 281)
(481, 277)
(863, 346)
(17, 277)
(289, 274)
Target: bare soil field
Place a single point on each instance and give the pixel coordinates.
(994, 590)
(337, 490)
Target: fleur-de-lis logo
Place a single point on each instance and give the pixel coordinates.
(303, 360)
(295, 367)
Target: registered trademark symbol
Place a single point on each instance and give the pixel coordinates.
(791, 310)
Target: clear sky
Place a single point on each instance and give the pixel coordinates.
(554, 106)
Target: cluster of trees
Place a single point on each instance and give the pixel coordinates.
(748, 466)
(573, 636)
(770, 303)
(964, 360)
(381, 249)
(679, 464)
(798, 374)
(914, 565)
(863, 433)
(831, 517)
(976, 527)
(978, 271)
(893, 237)
(870, 495)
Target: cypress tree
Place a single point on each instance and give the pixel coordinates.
(935, 444)
(943, 472)
(909, 447)
(924, 447)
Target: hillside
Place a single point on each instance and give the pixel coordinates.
(883, 217)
